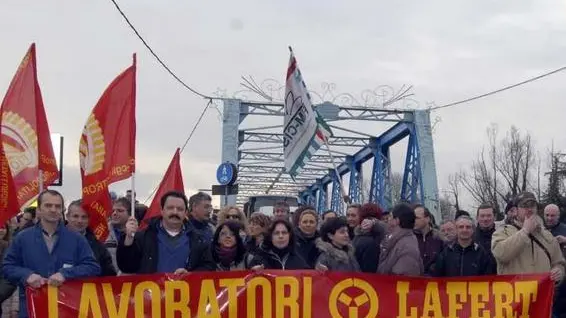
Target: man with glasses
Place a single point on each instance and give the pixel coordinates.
(525, 246)
(200, 207)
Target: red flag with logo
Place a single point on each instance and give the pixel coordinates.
(107, 147)
(25, 133)
(172, 181)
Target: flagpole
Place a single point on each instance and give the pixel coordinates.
(133, 197)
(342, 191)
(40, 180)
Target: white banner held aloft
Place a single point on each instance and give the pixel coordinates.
(304, 130)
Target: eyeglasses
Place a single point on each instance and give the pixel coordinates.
(233, 217)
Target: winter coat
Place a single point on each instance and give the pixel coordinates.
(483, 237)
(101, 254)
(517, 252)
(400, 254)
(252, 249)
(306, 248)
(337, 259)
(233, 267)
(270, 260)
(71, 256)
(111, 243)
(430, 245)
(141, 256)
(559, 229)
(367, 247)
(204, 228)
(472, 260)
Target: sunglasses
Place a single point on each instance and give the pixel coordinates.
(233, 217)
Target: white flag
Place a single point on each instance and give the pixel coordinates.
(304, 130)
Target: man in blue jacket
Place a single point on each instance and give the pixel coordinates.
(48, 253)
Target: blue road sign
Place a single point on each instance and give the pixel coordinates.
(226, 173)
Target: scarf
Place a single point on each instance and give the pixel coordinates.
(226, 255)
(281, 252)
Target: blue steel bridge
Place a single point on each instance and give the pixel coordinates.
(258, 152)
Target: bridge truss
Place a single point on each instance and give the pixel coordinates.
(258, 153)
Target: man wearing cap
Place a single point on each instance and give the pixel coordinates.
(525, 246)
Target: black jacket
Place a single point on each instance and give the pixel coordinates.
(101, 254)
(483, 237)
(270, 260)
(473, 260)
(367, 247)
(306, 248)
(141, 256)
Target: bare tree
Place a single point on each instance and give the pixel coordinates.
(504, 170)
(515, 161)
(454, 181)
(447, 209)
(396, 186)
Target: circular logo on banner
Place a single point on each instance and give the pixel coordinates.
(350, 295)
(92, 148)
(20, 142)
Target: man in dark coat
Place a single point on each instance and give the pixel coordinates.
(431, 241)
(77, 221)
(168, 245)
(486, 225)
(464, 257)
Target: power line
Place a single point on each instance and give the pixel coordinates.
(185, 143)
(155, 54)
(501, 89)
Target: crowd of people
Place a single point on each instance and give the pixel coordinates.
(54, 243)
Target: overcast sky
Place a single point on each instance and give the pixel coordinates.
(448, 50)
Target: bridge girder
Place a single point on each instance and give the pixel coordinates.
(258, 151)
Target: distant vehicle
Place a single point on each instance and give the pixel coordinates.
(265, 203)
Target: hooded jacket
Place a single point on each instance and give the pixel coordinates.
(400, 254)
(337, 259)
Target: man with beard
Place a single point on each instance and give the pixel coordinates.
(168, 245)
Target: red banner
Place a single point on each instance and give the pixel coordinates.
(305, 294)
(25, 134)
(107, 147)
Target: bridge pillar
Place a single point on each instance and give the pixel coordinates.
(427, 166)
(336, 202)
(355, 181)
(322, 196)
(231, 120)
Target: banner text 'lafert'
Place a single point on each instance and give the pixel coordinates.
(290, 294)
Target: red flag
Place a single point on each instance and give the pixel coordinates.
(25, 133)
(173, 180)
(9, 205)
(107, 147)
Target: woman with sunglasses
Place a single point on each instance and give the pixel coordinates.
(233, 213)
